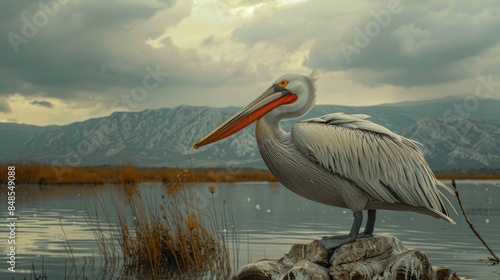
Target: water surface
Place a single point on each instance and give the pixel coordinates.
(267, 219)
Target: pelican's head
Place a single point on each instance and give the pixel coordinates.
(289, 96)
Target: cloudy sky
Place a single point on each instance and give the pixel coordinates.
(69, 60)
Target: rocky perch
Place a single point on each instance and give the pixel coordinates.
(382, 257)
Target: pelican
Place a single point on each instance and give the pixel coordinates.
(341, 160)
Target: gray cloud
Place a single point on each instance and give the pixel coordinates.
(243, 3)
(90, 53)
(287, 27)
(4, 107)
(42, 103)
(423, 44)
(72, 49)
(210, 41)
(93, 48)
(420, 46)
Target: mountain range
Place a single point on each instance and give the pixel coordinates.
(454, 133)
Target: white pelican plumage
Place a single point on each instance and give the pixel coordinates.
(337, 159)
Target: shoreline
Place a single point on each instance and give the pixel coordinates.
(44, 174)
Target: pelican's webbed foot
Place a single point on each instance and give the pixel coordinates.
(332, 242)
(365, 235)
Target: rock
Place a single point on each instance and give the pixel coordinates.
(382, 257)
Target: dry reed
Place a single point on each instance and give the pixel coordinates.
(33, 173)
(171, 238)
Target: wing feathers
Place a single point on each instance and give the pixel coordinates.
(357, 121)
(385, 165)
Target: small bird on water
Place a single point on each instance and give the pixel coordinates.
(338, 159)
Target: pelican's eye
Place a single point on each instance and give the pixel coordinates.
(283, 83)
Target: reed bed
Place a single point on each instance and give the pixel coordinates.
(464, 176)
(170, 239)
(44, 174)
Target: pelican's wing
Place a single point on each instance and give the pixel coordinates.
(387, 166)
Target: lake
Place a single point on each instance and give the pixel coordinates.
(267, 219)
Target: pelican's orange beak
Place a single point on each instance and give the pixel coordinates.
(270, 99)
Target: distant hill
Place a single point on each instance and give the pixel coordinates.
(13, 135)
(164, 137)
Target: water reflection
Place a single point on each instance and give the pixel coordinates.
(267, 218)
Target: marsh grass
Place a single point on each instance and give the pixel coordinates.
(74, 269)
(44, 174)
(161, 236)
(37, 274)
(465, 176)
(33, 173)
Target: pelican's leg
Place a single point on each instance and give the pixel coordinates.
(332, 242)
(370, 225)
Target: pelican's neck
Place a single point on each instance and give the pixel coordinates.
(268, 126)
(275, 145)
